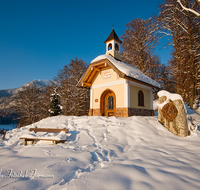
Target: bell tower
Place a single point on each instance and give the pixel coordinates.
(113, 45)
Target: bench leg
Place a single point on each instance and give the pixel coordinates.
(24, 142)
(32, 142)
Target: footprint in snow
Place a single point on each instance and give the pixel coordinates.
(61, 163)
(95, 144)
(47, 152)
(99, 157)
(95, 157)
(73, 175)
(104, 158)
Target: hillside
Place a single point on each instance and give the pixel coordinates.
(103, 153)
(7, 100)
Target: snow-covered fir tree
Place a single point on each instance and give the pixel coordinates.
(55, 107)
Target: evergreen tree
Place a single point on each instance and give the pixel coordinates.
(55, 108)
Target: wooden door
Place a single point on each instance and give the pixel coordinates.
(109, 108)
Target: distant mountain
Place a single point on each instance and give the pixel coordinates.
(8, 92)
(36, 83)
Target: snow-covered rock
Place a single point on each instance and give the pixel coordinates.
(172, 113)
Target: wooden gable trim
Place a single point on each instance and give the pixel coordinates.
(87, 84)
(96, 69)
(93, 69)
(102, 63)
(92, 76)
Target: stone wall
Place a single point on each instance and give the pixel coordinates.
(121, 112)
(140, 112)
(90, 113)
(172, 114)
(94, 112)
(124, 112)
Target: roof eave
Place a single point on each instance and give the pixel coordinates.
(142, 82)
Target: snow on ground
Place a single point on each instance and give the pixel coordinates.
(102, 153)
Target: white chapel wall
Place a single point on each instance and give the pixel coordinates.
(118, 89)
(134, 97)
(105, 75)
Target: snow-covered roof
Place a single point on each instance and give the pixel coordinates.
(128, 70)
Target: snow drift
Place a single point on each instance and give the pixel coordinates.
(102, 153)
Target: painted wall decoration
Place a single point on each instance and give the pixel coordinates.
(106, 74)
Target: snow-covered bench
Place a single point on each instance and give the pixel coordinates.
(60, 138)
(48, 130)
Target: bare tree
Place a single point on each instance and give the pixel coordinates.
(75, 100)
(183, 28)
(29, 106)
(139, 41)
(191, 9)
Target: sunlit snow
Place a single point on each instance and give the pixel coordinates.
(102, 153)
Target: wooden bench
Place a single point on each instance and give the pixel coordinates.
(32, 139)
(49, 130)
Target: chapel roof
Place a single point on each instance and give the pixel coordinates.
(113, 36)
(124, 70)
(128, 70)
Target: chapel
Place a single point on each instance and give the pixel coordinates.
(116, 88)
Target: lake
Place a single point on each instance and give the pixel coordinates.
(7, 127)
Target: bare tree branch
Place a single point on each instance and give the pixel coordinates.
(189, 9)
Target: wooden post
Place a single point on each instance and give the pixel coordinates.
(24, 142)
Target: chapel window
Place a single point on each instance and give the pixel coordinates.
(116, 47)
(109, 47)
(140, 98)
(110, 103)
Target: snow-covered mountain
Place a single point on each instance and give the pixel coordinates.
(37, 83)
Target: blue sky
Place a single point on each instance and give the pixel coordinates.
(39, 37)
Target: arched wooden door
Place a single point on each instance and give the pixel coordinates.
(109, 106)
